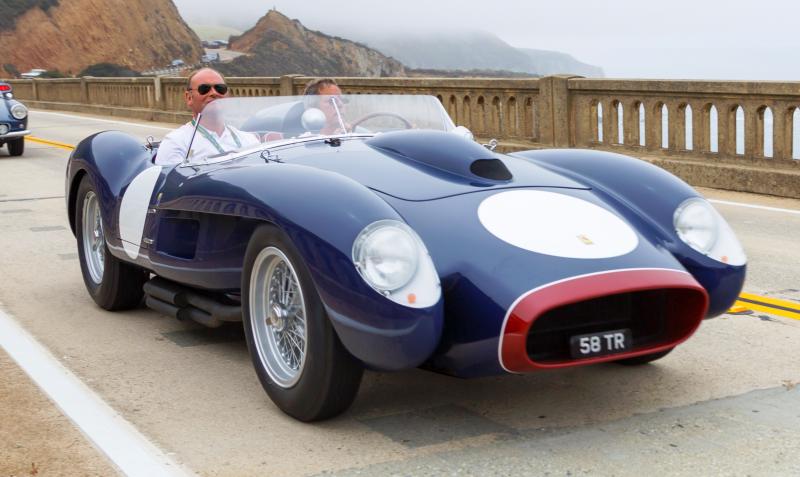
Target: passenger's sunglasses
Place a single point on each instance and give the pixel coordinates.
(204, 88)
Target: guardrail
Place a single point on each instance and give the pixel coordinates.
(725, 134)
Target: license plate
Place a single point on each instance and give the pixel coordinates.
(600, 344)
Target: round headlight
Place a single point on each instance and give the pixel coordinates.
(696, 224)
(386, 255)
(19, 111)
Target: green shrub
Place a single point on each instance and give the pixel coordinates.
(108, 70)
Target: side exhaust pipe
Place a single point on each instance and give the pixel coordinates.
(186, 303)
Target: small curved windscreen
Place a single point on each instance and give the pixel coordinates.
(285, 117)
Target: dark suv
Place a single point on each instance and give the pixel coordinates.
(13, 121)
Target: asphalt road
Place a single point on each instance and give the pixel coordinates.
(724, 403)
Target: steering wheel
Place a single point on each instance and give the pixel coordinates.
(378, 114)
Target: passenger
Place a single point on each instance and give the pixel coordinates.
(203, 87)
(327, 88)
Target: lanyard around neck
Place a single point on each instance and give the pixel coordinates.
(210, 137)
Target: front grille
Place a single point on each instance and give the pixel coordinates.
(654, 317)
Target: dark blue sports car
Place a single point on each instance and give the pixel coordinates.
(367, 231)
(13, 121)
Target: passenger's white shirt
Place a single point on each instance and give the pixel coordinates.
(173, 147)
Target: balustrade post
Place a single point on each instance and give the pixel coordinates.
(585, 121)
(701, 127)
(753, 132)
(726, 116)
(630, 121)
(158, 94)
(676, 124)
(782, 116)
(287, 84)
(653, 125)
(614, 119)
(84, 91)
(554, 110)
(35, 89)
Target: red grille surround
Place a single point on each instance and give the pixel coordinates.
(686, 300)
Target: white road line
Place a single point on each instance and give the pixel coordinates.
(751, 206)
(133, 454)
(72, 116)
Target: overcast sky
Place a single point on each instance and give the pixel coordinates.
(737, 39)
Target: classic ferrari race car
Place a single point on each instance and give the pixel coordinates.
(393, 240)
(13, 121)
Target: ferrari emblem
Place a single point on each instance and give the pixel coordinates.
(586, 240)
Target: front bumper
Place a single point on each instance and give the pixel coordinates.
(14, 134)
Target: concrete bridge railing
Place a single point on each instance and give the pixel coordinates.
(725, 134)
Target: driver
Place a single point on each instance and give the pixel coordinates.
(327, 89)
(213, 136)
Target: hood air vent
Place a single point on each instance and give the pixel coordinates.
(445, 152)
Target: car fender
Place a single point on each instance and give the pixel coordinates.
(648, 197)
(111, 159)
(322, 212)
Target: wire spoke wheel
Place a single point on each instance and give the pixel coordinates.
(94, 243)
(278, 312)
(297, 356)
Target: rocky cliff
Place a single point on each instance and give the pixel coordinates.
(74, 34)
(277, 45)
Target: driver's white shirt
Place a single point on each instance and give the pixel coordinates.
(174, 145)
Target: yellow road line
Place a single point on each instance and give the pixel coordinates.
(48, 142)
(775, 306)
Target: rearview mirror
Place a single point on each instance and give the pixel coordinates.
(313, 120)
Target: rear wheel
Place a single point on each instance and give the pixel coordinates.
(644, 359)
(112, 283)
(16, 147)
(299, 359)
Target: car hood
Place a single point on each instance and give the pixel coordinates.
(423, 165)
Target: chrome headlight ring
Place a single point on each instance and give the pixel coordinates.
(393, 260)
(700, 226)
(19, 111)
(386, 255)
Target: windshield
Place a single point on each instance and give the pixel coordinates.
(284, 118)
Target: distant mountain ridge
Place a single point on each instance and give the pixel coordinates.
(476, 50)
(277, 45)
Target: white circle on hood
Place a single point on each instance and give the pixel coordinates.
(556, 224)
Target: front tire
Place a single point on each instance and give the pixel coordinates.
(112, 283)
(299, 359)
(16, 147)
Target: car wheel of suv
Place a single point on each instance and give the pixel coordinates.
(112, 283)
(16, 147)
(299, 359)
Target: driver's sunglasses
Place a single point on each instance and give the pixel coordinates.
(204, 88)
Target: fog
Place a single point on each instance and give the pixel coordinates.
(689, 39)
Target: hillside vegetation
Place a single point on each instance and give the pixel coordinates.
(13, 9)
